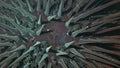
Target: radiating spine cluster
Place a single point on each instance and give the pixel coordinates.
(95, 36)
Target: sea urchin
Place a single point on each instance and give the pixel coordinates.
(59, 33)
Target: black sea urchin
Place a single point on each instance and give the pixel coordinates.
(59, 33)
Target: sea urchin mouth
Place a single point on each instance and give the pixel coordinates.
(57, 35)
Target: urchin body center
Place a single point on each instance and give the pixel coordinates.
(57, 36)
